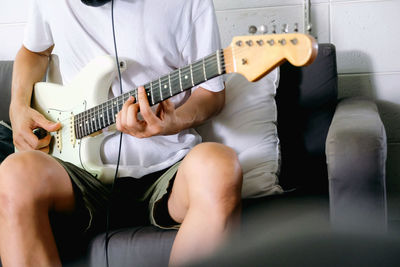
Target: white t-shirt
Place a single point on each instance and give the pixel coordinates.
(155, 37)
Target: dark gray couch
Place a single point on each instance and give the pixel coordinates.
(333, 163)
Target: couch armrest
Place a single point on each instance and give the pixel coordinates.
(356, 157)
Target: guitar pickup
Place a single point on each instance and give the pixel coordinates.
(58, 137)
(72, 131)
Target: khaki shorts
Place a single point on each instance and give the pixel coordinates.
(133, 202)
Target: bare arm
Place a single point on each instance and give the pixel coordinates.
(29, 68)
(200, 106)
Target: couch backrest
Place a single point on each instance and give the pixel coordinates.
(306, 100)
(5, 88)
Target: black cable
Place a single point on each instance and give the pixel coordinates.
(120, 136)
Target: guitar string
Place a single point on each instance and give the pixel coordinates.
(174, 78)
(89, 123)
(110, 104)
(197, 66)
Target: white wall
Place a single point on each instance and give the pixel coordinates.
(366, 34)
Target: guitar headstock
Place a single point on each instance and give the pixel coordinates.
(256, 55)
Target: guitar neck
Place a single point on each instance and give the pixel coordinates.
(179, 80)
(252, 56)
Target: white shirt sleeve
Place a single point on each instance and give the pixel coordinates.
(37, 36)
(204, 40)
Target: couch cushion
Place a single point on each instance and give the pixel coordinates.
(248, 125)
(138, 246)
(306, 101)
(5, 89)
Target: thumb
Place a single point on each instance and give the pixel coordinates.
(49, 126)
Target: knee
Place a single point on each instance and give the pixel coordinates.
(219, 158)
(20, 179)
(220, 174)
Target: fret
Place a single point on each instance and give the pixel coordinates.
(105, 115)
(112, 111)
(159, 85)
(198, 73)
(91, 122)
(157, 96)
(108, 114)
(81, 129)
(115, 112)
(92, 115)
(175, 83)
(191, 73)
(180, 79)
(87, 126)
(149, 95)
(119, 105)
(204, 70)
(84, 130)
(95, 121)
(212, 67)
(169, 82)
(186, 82)
(101, 109)
(102, 115)
(219, 63)
(98, 118)
(152, 94)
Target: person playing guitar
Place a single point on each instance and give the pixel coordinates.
(192, 186)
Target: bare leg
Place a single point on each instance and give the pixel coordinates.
(31, 184)
(206, 198)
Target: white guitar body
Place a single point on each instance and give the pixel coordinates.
(59, 103)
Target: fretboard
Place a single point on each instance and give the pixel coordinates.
(179, 80)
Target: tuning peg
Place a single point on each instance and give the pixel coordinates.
(263, 29)
(252, 29)
(296, 27)
(285, 28)
(274, 28)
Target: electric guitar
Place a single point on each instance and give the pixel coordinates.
(80, 137)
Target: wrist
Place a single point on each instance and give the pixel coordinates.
(17, 107)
